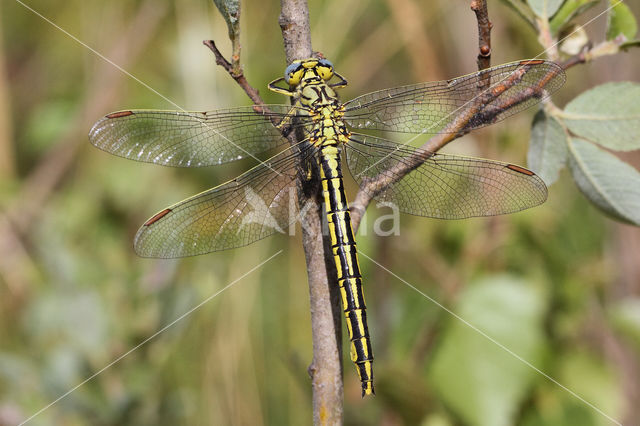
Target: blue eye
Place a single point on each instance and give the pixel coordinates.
(289, 70)
(325, 62)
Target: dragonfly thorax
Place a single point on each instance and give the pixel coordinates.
(316, 96)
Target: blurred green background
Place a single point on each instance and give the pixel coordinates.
(558, 285)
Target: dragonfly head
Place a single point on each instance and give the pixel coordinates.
(308, 70)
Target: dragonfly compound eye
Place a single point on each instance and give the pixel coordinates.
(325, 69)
(293, 73)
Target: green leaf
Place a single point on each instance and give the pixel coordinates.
(482, 382)
(569, 10)
(230, 11)
(609, 183)
(608, 114)
(545, 8)
(548, 148)
(620, 20)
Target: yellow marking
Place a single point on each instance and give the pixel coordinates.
(353, 286)
(354, 354)
(332, 234)
(363, 342)
(356, 302)
(343, 224)
(336, 259)
(343, 293)
(339, 205)
(329, 132)
(358, 313)
(350, 329)
(331, 152)
(337, 183)
(369, 389)
(307, 63)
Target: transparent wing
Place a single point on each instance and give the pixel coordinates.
(191, 139)
(487, 96)
(256, 204)
(441, 185)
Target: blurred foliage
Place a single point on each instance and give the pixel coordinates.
(558, 285)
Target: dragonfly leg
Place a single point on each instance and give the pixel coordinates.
(342, 83)
(274, 88)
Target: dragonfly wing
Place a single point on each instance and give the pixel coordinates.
(190, 139)
(258, 203)
(430, 107)
(441, 185)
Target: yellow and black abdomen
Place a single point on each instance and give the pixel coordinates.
(343, 246)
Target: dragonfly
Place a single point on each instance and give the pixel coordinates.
(327, 132)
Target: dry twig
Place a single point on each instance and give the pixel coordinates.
(238, 76)
(479, 7)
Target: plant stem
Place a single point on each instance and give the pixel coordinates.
(326, 368)
(479, 7)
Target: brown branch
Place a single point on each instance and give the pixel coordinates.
(235, 72)
(479, 7)
(296, 34)
(590, 52)
(326, 368)
(580, 58)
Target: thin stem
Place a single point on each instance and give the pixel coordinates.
(326, 368)
(479, 7)
(237, 75)
(296, 30)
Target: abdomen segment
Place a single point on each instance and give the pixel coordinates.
(344, 252)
